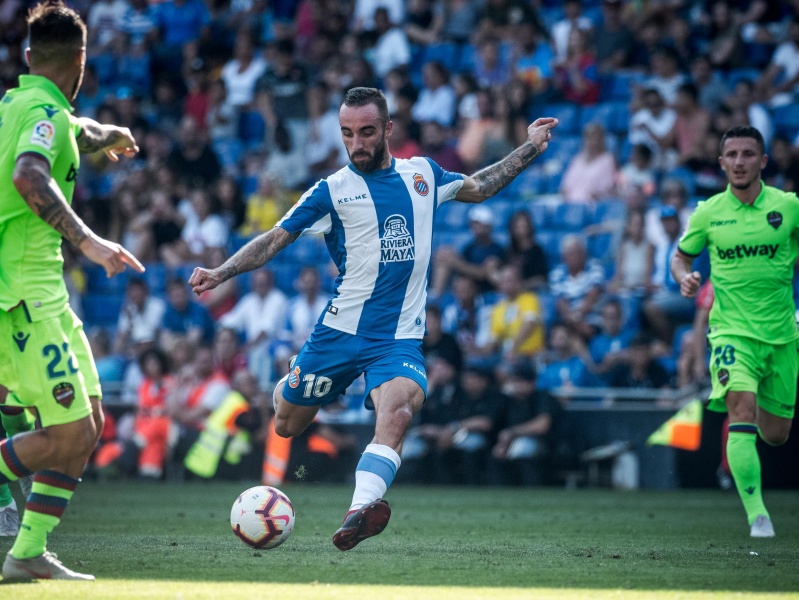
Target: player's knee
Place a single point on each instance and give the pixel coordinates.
(774, 438)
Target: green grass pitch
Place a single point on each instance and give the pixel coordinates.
(174, 541)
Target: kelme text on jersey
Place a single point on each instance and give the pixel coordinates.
(743, 251)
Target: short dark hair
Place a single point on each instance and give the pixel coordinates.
(55, 32)
(361, 96)
(743, 131)
(690, 90)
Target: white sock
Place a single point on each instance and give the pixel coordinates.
(374, 474)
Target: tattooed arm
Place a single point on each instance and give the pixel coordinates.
(39, 190)
(110, 139)
(487, 182)
(255, 254)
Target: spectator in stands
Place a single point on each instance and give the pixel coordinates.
(564, 368)
(673, 194)
(636, 179)
(466, 89)
(573, 20)
(639, 368)
(439, 344)
(478, 259)
(534, 63)
(666, 77)
(110, 366)
(422, 22)
(634, 258)
(227, 197)
(591, 174)
(458, 20)
(198, 97)
(576, 76)
(204, 229)
(228, 355)
(435, 145)
(138, 23)
(324, 151)
(242, 71)
(259, 315)
(743, 99)
(691, 124)
(193, 160)
(465, 315)
(519, 102)
(160, 228)
(437, 98)
(614, 40)
(220, 300)
(577, 285)
(127, 223)
(709, 180)
(286, 160)
(490, 68)
(199, 389)
(526, 422)
(391, 48)
(401, 144)
(525, 253)
(517, 321)
(503, 18)
(782, 169)
(607, 347)
(709, 83)
(264, 207)
(181, 24)
(304, 309)
(779, 83)
(184, 317)
(152, 424)
(364, 13)
(667, 308)
(139, 320)
(682, 40)
(479, 135)
(104, 20)
(726, 49)
(222, 117)
(651, 126)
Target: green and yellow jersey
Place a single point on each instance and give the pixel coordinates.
(35, 118)
(753, 250)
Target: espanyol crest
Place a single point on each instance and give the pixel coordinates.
(294, 378)
(420, 185)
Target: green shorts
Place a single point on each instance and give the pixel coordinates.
(48, 366)
(741, 364)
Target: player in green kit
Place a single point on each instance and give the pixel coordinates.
(45, 360)
(750, 231)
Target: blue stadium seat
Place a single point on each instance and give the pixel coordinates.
(564, 148)
(447, 53)
(466, 60)
(529, 183)
(502, 208)
(156, 277)
(571, 217)
(453, 216)
(786, 119)
(686, 176)
(453, 239)
(285, 275)
(600, 246)
(542, 214)
(609, 210)
(252, 129)
(548, 307)
(101, 309)
(568, 116)
(619, 86)
(743, 74)
(550, 242)
(307, 250)
(98, 283)
(631, 311)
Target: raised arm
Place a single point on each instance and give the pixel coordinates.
(255, 254)
(489, 181)
(39, 190)
(110, 139)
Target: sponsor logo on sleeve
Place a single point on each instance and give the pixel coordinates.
(43, 134)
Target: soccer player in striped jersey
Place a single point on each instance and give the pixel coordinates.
(377, 218)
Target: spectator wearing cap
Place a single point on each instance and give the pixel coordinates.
(478, 259)
(591, 174)
(674, 194)
(577, 285)
(517, 323)
(667, 308)
(527, 422)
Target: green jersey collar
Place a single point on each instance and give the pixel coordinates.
(737, 204)
(38, 81)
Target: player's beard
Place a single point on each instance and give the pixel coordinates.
(373, 163)
(748, 184)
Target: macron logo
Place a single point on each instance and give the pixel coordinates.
(741, 251)
(352, 198)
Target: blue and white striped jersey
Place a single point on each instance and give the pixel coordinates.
(379, 230)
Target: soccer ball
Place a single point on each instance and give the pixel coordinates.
(262, 517)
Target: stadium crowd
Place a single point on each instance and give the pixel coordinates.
(561, 282)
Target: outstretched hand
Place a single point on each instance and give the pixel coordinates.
(539, 132)
(202, 280)
(109, 255)
(121, 143)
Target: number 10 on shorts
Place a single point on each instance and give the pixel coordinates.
(318, 386)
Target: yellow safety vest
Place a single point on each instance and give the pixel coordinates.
(204, 456)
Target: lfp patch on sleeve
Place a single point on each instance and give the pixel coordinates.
(43, 134)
